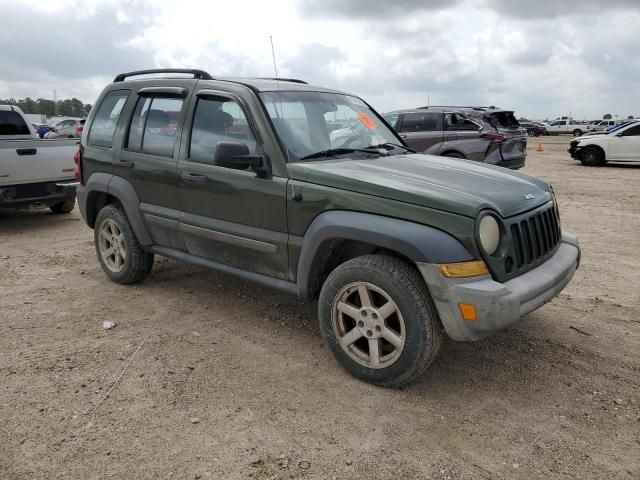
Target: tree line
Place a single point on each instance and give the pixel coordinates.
(62, 108)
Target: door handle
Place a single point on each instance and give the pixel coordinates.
(193, 178)
(26, 151)
(125, 163)
(403, 135)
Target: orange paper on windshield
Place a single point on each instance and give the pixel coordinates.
(366, 119)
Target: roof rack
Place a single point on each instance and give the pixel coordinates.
(294, 80)
(198, 74)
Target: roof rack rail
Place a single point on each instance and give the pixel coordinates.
(294, 80)
(198, 74)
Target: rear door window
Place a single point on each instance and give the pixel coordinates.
(421, 122)
(104, 123)
(12, 123)
(153, 125)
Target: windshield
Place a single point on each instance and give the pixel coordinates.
(311, 122)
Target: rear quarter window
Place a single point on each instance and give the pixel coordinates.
(104, 123)
(12, 123)
(503, 119)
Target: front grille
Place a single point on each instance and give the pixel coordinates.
(535, 237)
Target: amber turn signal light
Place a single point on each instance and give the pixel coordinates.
(475, 268)
(468, 311)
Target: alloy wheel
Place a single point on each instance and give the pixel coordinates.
(111, 245)
(368, 325)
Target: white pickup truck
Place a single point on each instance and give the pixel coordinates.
(566, 126)
(34, 171)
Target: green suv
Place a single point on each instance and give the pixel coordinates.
(308, 190)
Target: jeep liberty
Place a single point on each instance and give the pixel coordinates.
(244, 176)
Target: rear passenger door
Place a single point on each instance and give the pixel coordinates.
(625, 146)
(422, 131)
(229, 216)
(148, 159)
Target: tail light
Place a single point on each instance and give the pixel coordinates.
(79, 129)
(77, 158)
(496, 137)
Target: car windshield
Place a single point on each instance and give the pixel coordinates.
(312, 122)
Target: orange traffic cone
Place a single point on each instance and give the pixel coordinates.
(539, 147)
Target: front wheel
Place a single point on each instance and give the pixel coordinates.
(379, 320)
(592, 157)
(120, 255)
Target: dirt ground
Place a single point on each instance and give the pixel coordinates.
(233, 380)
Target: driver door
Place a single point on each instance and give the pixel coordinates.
(229, 216)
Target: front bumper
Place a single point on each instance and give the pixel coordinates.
(574, 150)
(499, 305)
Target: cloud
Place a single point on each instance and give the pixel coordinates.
(74, 46)
(555, 8)
(370, 9)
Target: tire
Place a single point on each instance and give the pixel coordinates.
(65, 206)
(454, 155)
(577, 133)
(129, 262)
(350, 327)
(592, 157)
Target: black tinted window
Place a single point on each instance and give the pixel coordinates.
(11, 123)
(218, 120)
(106, 119)
(422, 122)
(632, 132)
(153, 126)
(455, 121)
(503, 119)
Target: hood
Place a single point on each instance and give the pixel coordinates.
(458, 186)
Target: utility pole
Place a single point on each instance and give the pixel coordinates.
(55, 103)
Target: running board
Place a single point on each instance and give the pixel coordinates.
(277, 283)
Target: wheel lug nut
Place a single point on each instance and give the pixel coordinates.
(374, 315)
(378, 328)
(361, 324)
(369, 333)
(363, 313)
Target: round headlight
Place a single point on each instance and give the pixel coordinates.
(489, 234)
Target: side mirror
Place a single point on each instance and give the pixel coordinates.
(236, 155)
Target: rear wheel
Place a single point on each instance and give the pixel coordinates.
(65, 206)
(577, 132)
(378, 318)
(120, 255)
(592, 157)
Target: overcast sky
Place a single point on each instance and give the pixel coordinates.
(543, 58)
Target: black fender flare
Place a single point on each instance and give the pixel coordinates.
(418, 242)
(121, 189)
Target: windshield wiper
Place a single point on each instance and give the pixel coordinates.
(390, 145)
(341, 151)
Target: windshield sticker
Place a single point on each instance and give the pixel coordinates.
(366, 119)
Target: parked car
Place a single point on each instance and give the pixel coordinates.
(534, 129)
(66, 129)
(485, 135)
(620, 145)
(34, 171)
(396, 245)
(567, 126)
(42, 129)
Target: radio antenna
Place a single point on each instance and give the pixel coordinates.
(275, 65)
